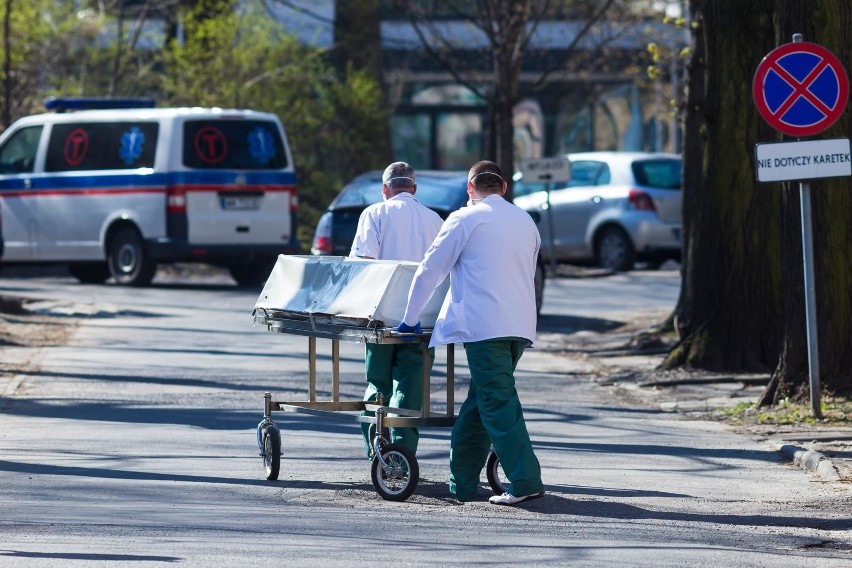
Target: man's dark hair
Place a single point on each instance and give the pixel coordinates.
(486, 177)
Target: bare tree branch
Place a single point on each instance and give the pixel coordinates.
(587, 26)
(438, 56)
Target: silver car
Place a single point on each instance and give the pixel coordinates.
(618, 208)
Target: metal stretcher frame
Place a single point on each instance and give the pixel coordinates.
(282, 322)
(394, 471)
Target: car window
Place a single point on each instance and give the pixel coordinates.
(589, 172)
(659, 173)
(520, 188)
(101, 146)
(360, 192)
(443, 193)
(233, 144)
(446, 194)
(18, 154)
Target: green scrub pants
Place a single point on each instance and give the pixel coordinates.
(492, 415)
(396, 371)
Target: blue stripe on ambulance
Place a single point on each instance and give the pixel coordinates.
(40, 182)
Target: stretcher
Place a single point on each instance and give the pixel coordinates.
(343, 299)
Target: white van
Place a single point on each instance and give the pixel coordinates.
(113, 192)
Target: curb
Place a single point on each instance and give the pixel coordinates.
(808, 460)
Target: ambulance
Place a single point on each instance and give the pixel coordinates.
(114, 187)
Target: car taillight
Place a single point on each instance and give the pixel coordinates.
(175, 200)
(322, 245)
(322, 236)
(640, 201)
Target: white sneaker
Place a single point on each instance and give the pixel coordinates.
(509, 499)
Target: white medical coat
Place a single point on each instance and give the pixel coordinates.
(400, 228)
(490, 251)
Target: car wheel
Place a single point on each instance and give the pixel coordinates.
(128, 260)
(614, 250)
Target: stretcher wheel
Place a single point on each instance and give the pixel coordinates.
(496, 477)
(371, 435)
(400, 479)
(271, 439)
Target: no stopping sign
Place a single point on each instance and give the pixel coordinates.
(800, 89)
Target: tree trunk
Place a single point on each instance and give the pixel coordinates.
(505, 140)
(828, 23)
(7, 65)
(357, 42)
(119, 51)
(510, 22)
(728, 314)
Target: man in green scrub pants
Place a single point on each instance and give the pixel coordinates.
(489, 249)
(397, 228)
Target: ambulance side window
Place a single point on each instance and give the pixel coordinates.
(101, 146)
(17, 156)
(233, 144)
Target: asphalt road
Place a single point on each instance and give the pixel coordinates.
(132, 443)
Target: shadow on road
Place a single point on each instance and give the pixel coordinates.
(573, 324)
(89, 556)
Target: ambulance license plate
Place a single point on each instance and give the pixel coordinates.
(240, 202)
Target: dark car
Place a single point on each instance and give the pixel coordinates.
(441, 191)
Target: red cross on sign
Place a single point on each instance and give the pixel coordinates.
(800, 88)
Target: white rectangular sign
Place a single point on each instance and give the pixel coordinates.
(811, 159)
(552, 170)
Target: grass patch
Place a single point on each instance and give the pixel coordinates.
(836, 412)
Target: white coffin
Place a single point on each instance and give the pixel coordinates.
(351, 291)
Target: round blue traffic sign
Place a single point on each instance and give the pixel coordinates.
(800, 88)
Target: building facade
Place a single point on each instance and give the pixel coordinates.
(581, 89)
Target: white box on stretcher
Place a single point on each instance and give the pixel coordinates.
(343, 290)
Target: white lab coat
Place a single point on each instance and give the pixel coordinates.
(400, 228)
(490, 251)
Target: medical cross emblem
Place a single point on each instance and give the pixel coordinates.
(800, 89)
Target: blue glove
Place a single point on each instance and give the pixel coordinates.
(404, 328)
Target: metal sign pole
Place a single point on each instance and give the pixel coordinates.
(548, 170)
(810, 297)
(810, 288)
(550, 237)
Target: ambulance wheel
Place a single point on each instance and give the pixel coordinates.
(252, 274)
(89, 272)
(271, 439)
(128, 260)
(496, 478)
(399, 481)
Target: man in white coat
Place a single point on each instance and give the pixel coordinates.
(398, 228)
(489, 249)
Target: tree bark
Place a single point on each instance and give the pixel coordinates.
(728, 314)
(511, 18)
(828, 23)
(7, 65)
(357, 42)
